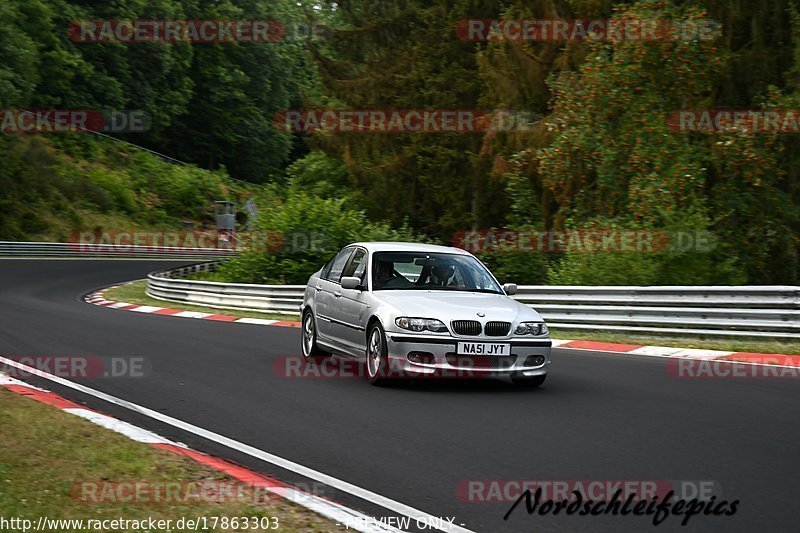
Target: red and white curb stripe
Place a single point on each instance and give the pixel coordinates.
(762, 359)
(332, 510)
(98, 298)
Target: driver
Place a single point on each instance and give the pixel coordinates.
(387, 278)
(385, 273)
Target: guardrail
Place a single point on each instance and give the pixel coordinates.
(753, 311)
(746, 311)
(167, 285)
(68, 249)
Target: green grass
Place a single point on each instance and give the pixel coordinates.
(56, 229)
(770, 346)
(134, 293)
(44, 452)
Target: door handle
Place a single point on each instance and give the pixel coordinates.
(337, 294)
(318, 287)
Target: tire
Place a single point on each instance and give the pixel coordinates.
(308, 338)
(533, 382)
(377, 359)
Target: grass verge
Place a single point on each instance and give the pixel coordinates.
(45, 452)
(134, 293)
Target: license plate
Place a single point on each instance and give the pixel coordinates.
(483, 348)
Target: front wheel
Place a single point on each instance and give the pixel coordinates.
(377, 358)
(309, 340)
(532, 382)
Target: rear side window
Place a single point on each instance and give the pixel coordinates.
(327, 268)
(334, 273)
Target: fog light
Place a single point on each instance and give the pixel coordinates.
(422, 358)
(534, 360)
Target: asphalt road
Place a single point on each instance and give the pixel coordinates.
(599, 417)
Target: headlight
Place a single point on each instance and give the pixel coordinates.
(420, 324)
(531, 328)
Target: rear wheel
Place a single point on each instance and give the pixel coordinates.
(377, 358)
(532, 382)
(309, 340)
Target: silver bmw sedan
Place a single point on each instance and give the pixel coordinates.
(417, 310)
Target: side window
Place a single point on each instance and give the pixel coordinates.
(337, 265)
(326, 270)
(357, 265)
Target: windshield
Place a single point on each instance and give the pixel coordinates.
(438, 271)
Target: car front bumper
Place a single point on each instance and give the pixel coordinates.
(445, 362)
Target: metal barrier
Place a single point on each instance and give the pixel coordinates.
(73, 250)
(749, 311)
(167, 285)
(746, 311)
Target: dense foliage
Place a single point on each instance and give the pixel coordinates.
(597, 152)
(602, 156)
(51, 190)
(210, 103)
(304, 223)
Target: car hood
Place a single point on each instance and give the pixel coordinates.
(447, 306)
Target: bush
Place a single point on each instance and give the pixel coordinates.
(321, 226)
(519, 268)
(708, 265)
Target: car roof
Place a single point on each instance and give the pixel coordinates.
(373, 247)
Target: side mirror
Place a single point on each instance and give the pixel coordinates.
(351, 282)
(510, 288)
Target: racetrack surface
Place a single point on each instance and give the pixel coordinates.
(598, 417)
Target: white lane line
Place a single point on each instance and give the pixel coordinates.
(129, 430)
(345, 516)
(335, 511)
(344, 486)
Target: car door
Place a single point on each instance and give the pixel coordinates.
(327, 286)
(349, 306)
